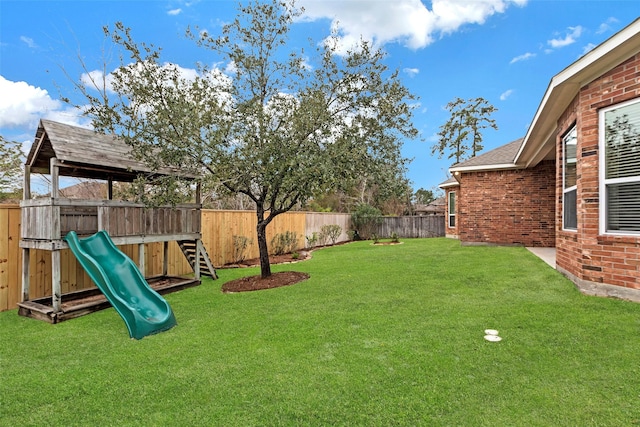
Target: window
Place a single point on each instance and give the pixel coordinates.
(569, 181)
(620, 170)
(452, 209)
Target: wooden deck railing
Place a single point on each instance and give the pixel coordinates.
(52, 219)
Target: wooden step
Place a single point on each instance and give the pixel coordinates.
(189, 248)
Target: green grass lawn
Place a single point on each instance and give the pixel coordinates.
(379, 336)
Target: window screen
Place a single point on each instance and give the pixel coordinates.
(621, 181)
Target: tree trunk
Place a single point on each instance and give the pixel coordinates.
(265, 266)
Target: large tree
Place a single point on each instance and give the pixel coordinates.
(11, 158)
(276, 124)
(424, 197)
(461, 135)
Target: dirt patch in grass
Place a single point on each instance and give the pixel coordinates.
(256, 283)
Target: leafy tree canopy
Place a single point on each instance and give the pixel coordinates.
(11, 159)
(424, 197)
(461, 135)
(278, 124)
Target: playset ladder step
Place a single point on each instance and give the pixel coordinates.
(188, 248)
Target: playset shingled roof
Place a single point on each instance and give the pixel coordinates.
(84, 153)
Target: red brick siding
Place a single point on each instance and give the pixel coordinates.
(613, 260)
(508, 207)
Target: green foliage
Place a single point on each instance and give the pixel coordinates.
(240, 245)
(312, 240)
(283, 243)
(364, 219)
(462, 133)
(273, 128)
(330, 232)
(378, 336)
(161, 191)
(424, 197)
(394, 237)
(11, 159)
(315, 205)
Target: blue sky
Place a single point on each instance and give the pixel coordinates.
(505, 51)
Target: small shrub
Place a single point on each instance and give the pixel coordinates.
(240, 244)
(322, 238)
(312, 240)
(365, 219)
(395, 238)
(332, 232)
(375, 238)
(284, 242)
(295, 255)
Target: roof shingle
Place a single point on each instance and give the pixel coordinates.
(503, 155)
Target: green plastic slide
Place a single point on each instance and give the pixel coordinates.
(143, 310)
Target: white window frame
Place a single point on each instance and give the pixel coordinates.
(451, 215)
(573, 187)
(602, 173)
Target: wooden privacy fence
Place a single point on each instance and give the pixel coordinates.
(10, 257)
(218, 229)
(411, 226)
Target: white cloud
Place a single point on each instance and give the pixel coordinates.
(97, 80)
(451, 15)
(174, 12)
(409, 22)
(69, 116)
(305, 64)
(522, 57)
(411, 72)
(434, 137)
(22, 104)
(188, 74)
(572, 35)
(606, 25)
(29, 42)
(231, 68)
(506, 94)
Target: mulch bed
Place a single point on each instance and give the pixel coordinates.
(276, 280)
(256, 283)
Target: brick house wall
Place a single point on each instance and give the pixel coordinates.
(510, 207)
(598, 264)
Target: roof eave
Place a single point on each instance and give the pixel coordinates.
(480, 168)
(449, 184)
(564, 87)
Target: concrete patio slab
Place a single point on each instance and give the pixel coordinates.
(548, 255)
